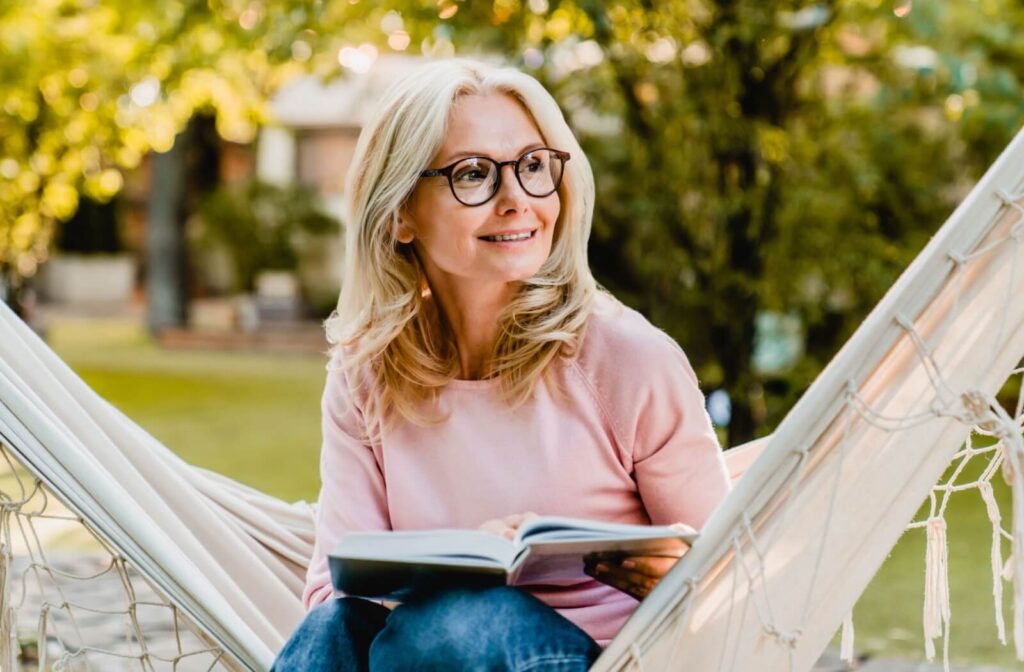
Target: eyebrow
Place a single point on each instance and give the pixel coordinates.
(461, 155)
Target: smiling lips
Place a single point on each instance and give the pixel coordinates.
(510, 237)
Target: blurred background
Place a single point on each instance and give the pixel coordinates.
(171, 175)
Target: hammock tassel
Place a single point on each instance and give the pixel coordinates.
(41, 635)
(8, 635)
(846, 639)
(995, 518)
(1013, 446)
(989, 415)
(936, 586)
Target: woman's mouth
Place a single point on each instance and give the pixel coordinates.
(511, 240)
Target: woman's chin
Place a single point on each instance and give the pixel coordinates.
(518, 274)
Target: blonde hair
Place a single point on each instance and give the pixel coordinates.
(385, 322)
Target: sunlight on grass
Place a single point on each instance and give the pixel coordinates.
(252, 416)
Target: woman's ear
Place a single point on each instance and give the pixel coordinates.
(404, 233)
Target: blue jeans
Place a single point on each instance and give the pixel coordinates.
(492, 629)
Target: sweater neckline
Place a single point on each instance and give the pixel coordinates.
(465, 384)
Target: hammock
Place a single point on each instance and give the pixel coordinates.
(781, 563)
(817, 509)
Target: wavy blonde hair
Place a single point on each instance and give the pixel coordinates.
(398, 350)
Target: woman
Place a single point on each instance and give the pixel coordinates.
(479, 376)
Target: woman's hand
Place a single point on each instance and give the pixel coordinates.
(635, 575)
(507, 526)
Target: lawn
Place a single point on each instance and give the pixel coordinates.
(255, 417)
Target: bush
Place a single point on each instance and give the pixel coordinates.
(261, 226)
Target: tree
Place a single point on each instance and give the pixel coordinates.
(90, 87)
(782, 157)
(786, 157)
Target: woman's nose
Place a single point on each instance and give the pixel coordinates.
(510, 192)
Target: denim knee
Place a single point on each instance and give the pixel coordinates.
(333, 635)
(499, 628)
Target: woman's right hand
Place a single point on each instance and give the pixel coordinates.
(507, 526)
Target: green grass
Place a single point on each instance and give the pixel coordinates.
(255, 417)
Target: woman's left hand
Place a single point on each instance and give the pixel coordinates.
(635, 575)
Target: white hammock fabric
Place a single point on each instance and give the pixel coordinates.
(852, 462)
(230, 558)
(781, 563)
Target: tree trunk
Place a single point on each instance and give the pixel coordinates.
(166, 277)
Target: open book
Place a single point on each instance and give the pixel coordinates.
(547, 550)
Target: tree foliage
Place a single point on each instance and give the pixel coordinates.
(89, 87)
(750, 157)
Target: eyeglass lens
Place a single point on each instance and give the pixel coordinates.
(475, 179)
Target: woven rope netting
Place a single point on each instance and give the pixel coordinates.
(70, 601)
(997, 442)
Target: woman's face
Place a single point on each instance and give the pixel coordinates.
(447, 235)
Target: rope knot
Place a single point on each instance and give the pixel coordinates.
(787, 638)
(936, 525)
(1010, 199)
(979, 410)
(636, 655)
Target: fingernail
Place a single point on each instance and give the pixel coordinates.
(601, 567)
(629, 564)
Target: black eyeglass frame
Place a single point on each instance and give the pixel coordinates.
(499, 165)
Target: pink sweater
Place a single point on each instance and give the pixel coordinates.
(633, 445)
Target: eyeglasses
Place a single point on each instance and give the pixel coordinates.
(475, 180)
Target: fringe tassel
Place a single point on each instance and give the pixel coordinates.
(936, 586)
(1013, 472)
(995, 518)
(846, 639)
(8, 632)
(990, 416)
(41, 635)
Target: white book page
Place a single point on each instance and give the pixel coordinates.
(558, 528)
(436, 545)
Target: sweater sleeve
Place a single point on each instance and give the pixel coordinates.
(352, 492)
(677, 461)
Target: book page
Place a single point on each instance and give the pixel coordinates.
(551, 528)
(438, 545)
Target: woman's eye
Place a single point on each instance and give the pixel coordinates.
(473, 175)
(533, 166)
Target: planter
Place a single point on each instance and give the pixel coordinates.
(278, 296)
(88, 278)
